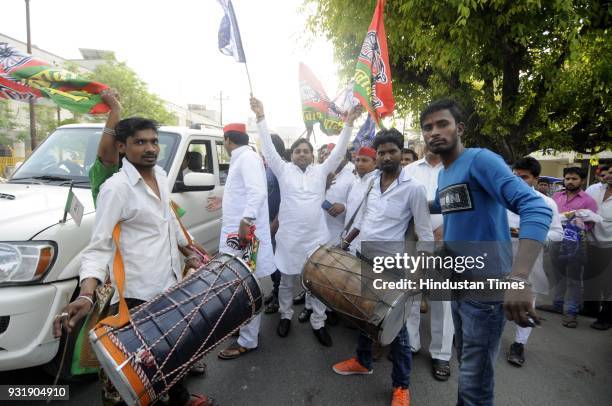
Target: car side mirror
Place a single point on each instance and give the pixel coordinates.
(196, 182)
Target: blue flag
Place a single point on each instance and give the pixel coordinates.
(365, 135)
(230, 42)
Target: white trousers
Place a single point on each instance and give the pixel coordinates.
(285, 302)
(522, 333)
(249, 333)
(442, 328)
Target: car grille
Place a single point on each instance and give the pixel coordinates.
(4, 322)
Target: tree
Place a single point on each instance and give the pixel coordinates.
(46, 120)
(135, 98)
(530, 74)
(7, 122)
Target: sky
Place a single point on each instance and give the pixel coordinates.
(172, 46)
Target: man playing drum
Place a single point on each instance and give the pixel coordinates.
(136, 197)
(108, 162)
(392, 202)
(245, 203)
(302, 226)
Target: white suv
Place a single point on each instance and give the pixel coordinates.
(40, 254)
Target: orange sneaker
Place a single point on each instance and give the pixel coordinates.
(401, 397)
(351, 367)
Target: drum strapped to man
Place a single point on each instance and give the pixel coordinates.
(336, 278)
(162, 338)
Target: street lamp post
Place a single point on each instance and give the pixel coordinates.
(221, 106)
(31, 100)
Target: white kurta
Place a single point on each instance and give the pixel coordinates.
(355, 198)
(246, 195)
(427, 174)
(338, 193)
(537, 277)
(302, 227)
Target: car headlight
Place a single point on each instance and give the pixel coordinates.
(25, 261)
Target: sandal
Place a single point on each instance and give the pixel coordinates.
(440, 369)
(234, 351)
(201, 400)
(570, 321)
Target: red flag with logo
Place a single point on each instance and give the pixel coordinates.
(372, 77)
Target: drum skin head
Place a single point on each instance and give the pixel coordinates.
(395, 319)
(119, 379)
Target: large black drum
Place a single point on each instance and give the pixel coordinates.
(167, 334)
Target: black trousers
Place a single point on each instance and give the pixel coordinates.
(598, 282)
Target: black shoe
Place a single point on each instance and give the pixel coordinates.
(284, 325)
(271, 307)
(601, 325)
(516, 355)
(323, 336)
(268, 299)
(299, 298)
(332, 318)
(304, 315)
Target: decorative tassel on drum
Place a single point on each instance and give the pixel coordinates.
(165, 336)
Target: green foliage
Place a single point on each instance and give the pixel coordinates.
(46, 120)
(7, 121)
(530, 74)
(136, 100)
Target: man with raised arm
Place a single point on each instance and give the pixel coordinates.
(302, 226)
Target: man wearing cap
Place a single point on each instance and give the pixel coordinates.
(365, 164)
(341, 180)
(245, 203)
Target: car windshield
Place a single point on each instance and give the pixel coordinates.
(68, 154)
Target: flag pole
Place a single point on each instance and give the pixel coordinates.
(248, 77)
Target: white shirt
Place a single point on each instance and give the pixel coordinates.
(602, 231)
(246, 195)
(427, 174)
(387, 214)
(537, 276)
(149, 233)
(338, 193)
(302, 227)
(355, 198)
(555, 232)
(591, 190)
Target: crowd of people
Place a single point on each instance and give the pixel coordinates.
(298, 201)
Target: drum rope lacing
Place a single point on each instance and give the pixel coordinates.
(182, 370)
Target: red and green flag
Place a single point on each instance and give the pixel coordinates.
(372, 79)
(23, 77)
(316, 106)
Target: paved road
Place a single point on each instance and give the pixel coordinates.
(563, 367)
